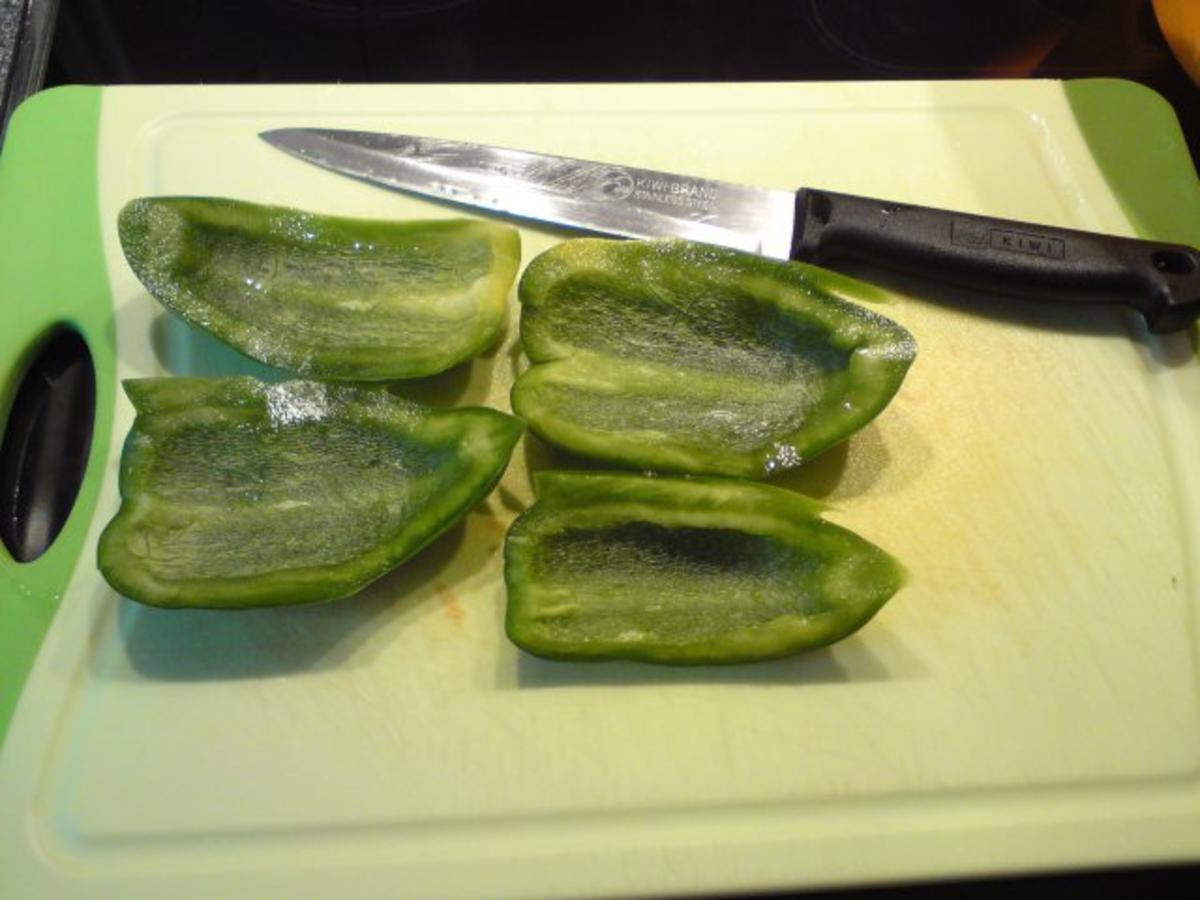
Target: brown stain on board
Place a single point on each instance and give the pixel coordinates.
(451, 605)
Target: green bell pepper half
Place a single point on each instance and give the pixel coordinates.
(324, 296)
(238, 493)
(683, 357)
(684, 571)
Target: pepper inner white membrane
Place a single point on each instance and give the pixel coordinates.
(307, 494)
(361, 292)
(672, 584)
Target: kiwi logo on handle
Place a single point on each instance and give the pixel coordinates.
(966, 233)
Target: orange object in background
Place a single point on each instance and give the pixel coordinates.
(1180, 24)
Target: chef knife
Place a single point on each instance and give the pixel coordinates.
(1162, 281)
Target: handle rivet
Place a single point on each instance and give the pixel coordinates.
(1174, 262)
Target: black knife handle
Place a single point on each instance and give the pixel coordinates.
(1162, 281)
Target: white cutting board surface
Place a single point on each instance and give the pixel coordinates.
(1029, 701)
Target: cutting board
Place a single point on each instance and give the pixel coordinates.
(1029, 702)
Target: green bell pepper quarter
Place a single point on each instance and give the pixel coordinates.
(323, 296)
(238, 493)
(684, 571)
(682, 357)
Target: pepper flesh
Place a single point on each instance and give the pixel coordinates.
(676, 356)
(325, 296)
(684, 571)
(238, 493)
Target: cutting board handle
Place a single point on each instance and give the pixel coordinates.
(47, 435)
(1161, 281)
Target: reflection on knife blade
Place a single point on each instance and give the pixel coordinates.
(603, 197)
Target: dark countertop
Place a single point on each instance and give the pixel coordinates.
(26, 29)
(421, 41)
(239, 41)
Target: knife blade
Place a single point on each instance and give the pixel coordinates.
(1160, 280)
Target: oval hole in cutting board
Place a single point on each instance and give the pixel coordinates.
(44, 450)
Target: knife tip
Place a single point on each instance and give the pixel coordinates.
(274, 135)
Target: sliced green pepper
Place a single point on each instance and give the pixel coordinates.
(324, 296)
(683, 357)
(238, 493)
(684, 571)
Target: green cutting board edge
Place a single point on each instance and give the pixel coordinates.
(54, 276)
